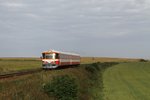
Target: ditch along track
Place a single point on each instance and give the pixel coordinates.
(19, 73)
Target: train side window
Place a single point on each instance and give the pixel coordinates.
(56, 56)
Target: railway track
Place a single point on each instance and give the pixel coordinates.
(19, 73)
(23, 72)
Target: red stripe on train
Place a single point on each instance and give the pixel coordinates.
(57, 62)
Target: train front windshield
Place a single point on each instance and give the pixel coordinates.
(47, 56)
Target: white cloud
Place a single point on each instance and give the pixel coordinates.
(12, 4)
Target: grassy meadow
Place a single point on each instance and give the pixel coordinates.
(127, 81)
(15, 64)
(85, 60)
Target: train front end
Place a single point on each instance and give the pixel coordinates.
(49, 60)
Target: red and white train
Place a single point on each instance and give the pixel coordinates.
(54, 59)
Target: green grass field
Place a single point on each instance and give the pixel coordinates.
(106, 59)
(15, 64)
(127, 81)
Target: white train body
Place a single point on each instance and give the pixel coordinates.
(54, 59)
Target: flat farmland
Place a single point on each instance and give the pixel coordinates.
(15, 64)
(127, 81)
(85, 60)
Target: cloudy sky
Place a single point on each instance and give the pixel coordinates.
(105, 28)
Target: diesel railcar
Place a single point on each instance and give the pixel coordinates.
(53, 59)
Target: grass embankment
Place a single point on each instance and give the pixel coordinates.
(96, 78)
(31, 86)
(127, 81)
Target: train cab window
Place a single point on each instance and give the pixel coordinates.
(47, 56)
(56, 56)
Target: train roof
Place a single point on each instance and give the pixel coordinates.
(68, 53)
